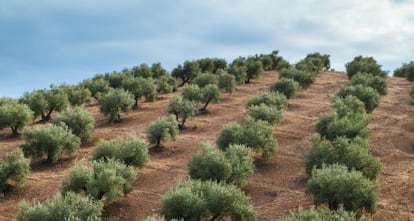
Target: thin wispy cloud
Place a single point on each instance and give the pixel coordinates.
(45, 41)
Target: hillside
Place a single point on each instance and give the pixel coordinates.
(277, 186)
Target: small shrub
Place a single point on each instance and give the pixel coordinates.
(209, 164)
(227, 82)
(199, 200)
(14, 169)
(115, 102)
(324, 214)
(365, 65)
(181, 108)
(162, 129)
(130, 151)
(335, 185)
(376, 82)
(286, 86)
(14, 115)
(277, 100)
(52, 141)
(331, 125)
(348, 105)
(266, 113)
(368, 95)
(68, 207)
(110, 179)
(304, 78)
(79, 121)
(205, 79)
(353, 153)
(406, 71)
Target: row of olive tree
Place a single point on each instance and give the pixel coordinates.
(342, 170)
(87, 189)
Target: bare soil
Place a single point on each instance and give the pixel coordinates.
(277, 186)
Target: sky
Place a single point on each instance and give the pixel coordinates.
(48, 41)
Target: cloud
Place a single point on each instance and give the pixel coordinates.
(71, 40)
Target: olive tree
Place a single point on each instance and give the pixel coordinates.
(254, 70)
(182, 109)
(130, 151)
(14, 169)
(79, 121)
(227, 82)
(110, 179)
(162, 129)
(335, 185)
(199, 200)
(353, 153)
(52, 141)
(205, 79)
(44, 102)
(304, 78)
(187, 72)
(114, 102)
(205, 95)
(70, 206)
(271, 99)
(286, 86)
(406, 70)
(97, 86)
(77, 95)
(270, 114)
(376, 82)
(14, 115)
(140, 87)
(364, 65)
(368, 95)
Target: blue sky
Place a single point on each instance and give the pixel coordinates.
(48, 41)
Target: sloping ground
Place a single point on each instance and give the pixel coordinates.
(277, 186)
(392, 140)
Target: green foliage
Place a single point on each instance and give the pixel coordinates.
(323, 214)
(44, 102)
(230, 134)
(158, 71)
(254, 70)
(14, 169)
(205, 79)
(314, 63)
(286, 86)
(52, 141)
(166, 84)
(353, 153)
(115, 79)
(348, 105)
(303, 77)
(114, 102)
(272, 99)
(140, 87)
(411, 91)
(239, 72)
(211, 65)
(110, 179)
(335, 185)
(406, 71)
(191, 92)
(79, 121)
(227, 82)
(181, 108)
(14, 115)
(209, 94)
(270, 114)
(198, 200)
(257, 135)
(332, 125)
(68, 207)
(162, 129)
(368, 95)
(142, 71)
(209, 164)
(187, 72)
(365, 65)
(241, 162)
(130, 151)
(77, 95)
(376, 82)
(96, 86)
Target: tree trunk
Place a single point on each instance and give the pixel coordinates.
(14, 130)
(47, 117)
(205, 106)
